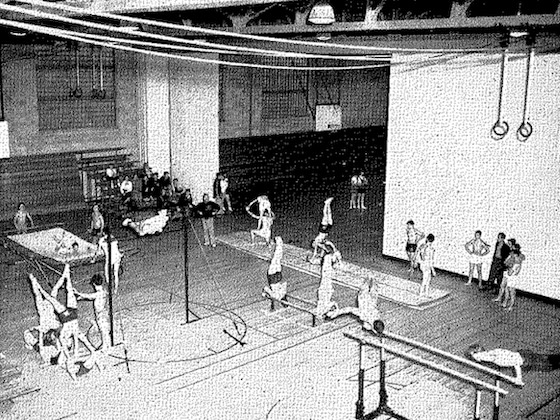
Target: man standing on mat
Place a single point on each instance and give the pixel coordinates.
(413, 236)
(501, 252)
(426, 254)
(207, 210)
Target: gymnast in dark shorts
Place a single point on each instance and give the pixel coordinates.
(413, 236)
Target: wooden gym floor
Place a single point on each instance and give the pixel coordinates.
(286, 368)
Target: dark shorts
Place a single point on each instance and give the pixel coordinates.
(411, 247)
(70, 314)
(325, 228)
(96, 232)
(274, 278)
(361, 190)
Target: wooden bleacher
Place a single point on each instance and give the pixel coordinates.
(57, 182)
(93, 165)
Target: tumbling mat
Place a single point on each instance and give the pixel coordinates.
(392, 288)
(56, 244)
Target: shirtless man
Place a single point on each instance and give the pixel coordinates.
(499, 357)
(367, 310)
(264, 204)
(476, 248)
(70, 333)
(324, 229)
(149, 226)
(100, 306)
(413, 236)
(426, 254)
(277, 286)
(116, 256)
(324, 294)
(47, 316)
(264, 227)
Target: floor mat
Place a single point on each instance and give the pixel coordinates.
(351, 275)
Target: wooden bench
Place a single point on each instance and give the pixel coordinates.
(292, 305)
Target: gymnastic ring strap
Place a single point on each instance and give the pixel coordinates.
(524, 131)
(499, 130)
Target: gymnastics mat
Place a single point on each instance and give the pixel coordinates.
(392, 288)
(56, 244)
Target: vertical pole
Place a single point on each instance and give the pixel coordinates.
(360, 402)
(110, 275)
(496, 414)
(186, 260)
(2, 116)
(476, 415)
(382, 384)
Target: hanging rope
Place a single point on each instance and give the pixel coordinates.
(526, 129)
(501, 128)
(230, 34)
(67, 35)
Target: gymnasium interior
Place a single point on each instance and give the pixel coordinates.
(450, 109)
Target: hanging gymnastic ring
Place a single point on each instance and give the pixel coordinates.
(499, 130)
(524, 131)
(94, 93)
(78, 92)
(102, 94)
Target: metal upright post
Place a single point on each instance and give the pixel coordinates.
(186, 260)
(361, 372)
(476, 415)
(110, 275)
(496, 414)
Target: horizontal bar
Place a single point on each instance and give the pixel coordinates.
(453, 357)
(431, 365)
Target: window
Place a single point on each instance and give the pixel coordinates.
(75, 86)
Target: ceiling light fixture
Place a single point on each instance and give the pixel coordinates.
(322, 13)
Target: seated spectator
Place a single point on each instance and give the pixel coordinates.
(126, 189)
(166, 190)
(137, 189)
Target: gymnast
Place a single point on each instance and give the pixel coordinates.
(48, 319)
(100, 302)
(149, 226)
(277, 286)
(116, 256)
(49, 325)
(47, 345)
(367, 310)
(21, 218)
(324, 229)
(264, 204)
(324, 294)
(520, 360)
(264, 226)
(67, 314)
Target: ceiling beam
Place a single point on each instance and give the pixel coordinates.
(414, 25)
(142, 6)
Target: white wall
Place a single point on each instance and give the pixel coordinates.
(194, 120)
(157, 114)
(447, 174)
